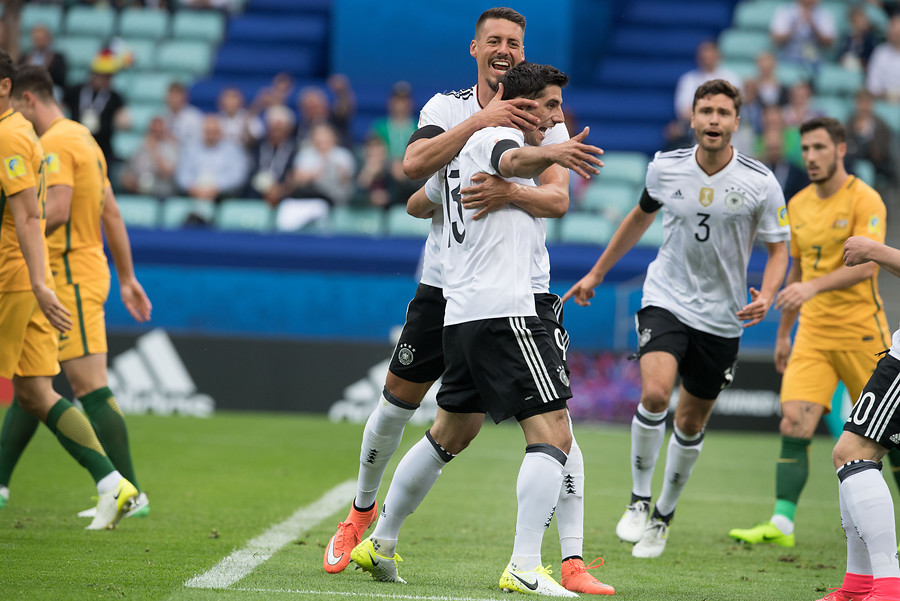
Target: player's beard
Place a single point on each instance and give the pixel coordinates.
(829, 172)
(723, 143)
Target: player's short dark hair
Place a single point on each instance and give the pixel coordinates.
(7, 66)
(528, 80)
(836, 131)
(719, 86)
(35, 79)
(500, 12)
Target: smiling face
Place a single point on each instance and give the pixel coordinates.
(497, 47)
(714, 120)
(549, 111)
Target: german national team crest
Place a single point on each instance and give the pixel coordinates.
(563, 376)
(405, 354)
(734, 201)
(706, 196)
(644, 337)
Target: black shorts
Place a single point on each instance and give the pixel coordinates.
(504, 367)
(549, 309)
(875, 415)
(705, 361)
(419, 354)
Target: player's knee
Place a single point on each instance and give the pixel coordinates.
(793, 425)
(690, 425)
(655, 398)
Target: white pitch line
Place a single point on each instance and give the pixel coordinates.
(260, 549)
(366, 595)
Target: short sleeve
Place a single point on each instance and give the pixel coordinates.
(482, 145)
(59, 162)
(433, 189)
(774, 225)
(557, 134)
(651, 181)
(436, 112)
(16, 173)
(869, 216)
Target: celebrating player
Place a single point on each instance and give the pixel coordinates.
(715, 201)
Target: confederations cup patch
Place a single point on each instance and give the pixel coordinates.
(405, 354)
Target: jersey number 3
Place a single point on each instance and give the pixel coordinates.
(703, 234)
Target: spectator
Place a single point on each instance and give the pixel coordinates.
(803, 31)
(860, 41)
(790, 177)
(272, 157)
(799, 107)
(707, 68)
(151, 170)
(751, 111)
(884, 66)
(312, 103)
(869, 138)
(773, 119)
(323, 169)
(374, 182)
(395, 130)
(770, 90)
(275, 94)
(211, 168)
(233, 117)
(183, 120)
(43, 54)
(96, 105)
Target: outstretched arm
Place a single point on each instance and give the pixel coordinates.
(860, 249)
(773, 275)
(530, 161)
(133, 296)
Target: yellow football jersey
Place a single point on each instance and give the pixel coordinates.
(22, 168)
(73, 158)
(849, 319)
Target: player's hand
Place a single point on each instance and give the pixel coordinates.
(489, 193)
(793, 295)
(782, 352)
(583, 290)
(574, 154)
(509, 113)
(857, 250)
(754, 312)
(135, 300)
(60, 317)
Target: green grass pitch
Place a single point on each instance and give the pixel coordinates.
(216, 484)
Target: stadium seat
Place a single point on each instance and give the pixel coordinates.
(99, 23)
(865, 170)
(126, 143)
(401, 225)
(144, 53)
(584, 228)
(789, 74)
(43, 14)
(176, 210)
(357, 221)
(653, 237)
(755, 14)
(139, 211)
(745, 69)
(208, 26)
(624, 166)
(143, 114)
(835, 80)
(144, 87)
(890, 113)
(833, 106)
(613, 199)
(553, 227)
(79, 52)
(178, 57)
(738, 44)
(243, 214)
(148, 24)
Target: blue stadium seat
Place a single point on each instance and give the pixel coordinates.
(585, 228)
(890, 113)
(176, 210)
(79, 52)
(248, 59)
(205, 25)
(789, 74)
(401, 225)
(40, 14)
(653, 237)
(145, 87)
(277, 29)
(613, 199)
(745, 69)
(864, 170)
(89, 21)
(139, 211)
(240, 214)
(357, 221)
(644, 41)
(755, 14)
(835, 80)
(833, 106)
(184, 57)
(126, 143)
(630, 167)
(143, 51)
(738, 44)
(144, 23)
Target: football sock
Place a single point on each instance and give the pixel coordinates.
(682, 455)
(537, 492)
(109, 424)
(869, 505)
(381, 437)
(18, 428)
(109, 482)
(791, 473)
(570, 510)
(415, 475)
(75, 434)
(647, 433)
(858, 578)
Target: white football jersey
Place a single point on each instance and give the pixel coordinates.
(709, 225)
(447, 110)
(487, 264)
(895, 345)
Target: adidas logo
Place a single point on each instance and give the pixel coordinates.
(152, 377)
(677, 195)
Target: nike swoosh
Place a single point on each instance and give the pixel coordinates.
(329, 557)
(532, 586)
(116, 496)
(767, 537)
(372, 559)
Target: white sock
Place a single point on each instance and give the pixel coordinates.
(109, 482)
(415, 475)
(783, 523)
(857, 554)
(537, 492)
(570, 509)
(647, 432)
(381, 437)
(870, 507)
(680, 459)
(4, 492)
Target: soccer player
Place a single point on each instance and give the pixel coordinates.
(867, 511)
(715, 201)
(446, 122)
(842, 322)
(78, 191)
(500, 358)
(29, 309)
